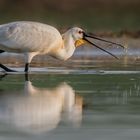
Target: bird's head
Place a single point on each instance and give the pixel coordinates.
(78, 35)
(81, 37)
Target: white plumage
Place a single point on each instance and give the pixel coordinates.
(32, 38)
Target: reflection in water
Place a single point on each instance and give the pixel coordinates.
(111, 107)
(36, 110)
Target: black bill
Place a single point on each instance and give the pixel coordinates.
(97, 38)
(85, 36)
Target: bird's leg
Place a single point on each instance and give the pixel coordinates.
(26, 71)
(6, 69)
(1, 51)
(26, 67)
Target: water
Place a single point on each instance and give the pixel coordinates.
(66, 106)
(84, 98)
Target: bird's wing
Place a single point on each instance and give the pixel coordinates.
(26, 36)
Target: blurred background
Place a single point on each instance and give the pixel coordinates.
(94, 15)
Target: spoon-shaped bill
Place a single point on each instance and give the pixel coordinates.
(94, 37)
(100, 48)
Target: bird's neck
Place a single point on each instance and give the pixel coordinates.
(68, 47)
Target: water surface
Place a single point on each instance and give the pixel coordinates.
(66, 106)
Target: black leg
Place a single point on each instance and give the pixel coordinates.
(1, 51)
(6, 69)
(26, 67)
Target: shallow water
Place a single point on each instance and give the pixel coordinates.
(66, 106)
(87, 97)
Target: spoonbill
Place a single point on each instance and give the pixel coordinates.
(33, 38)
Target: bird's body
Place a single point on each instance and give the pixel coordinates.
(30, 38)
(33, 38)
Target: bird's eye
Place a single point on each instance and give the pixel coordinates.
(80, 32)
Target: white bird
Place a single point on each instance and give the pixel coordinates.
(33, 38)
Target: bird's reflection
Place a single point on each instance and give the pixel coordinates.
(40, 110)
